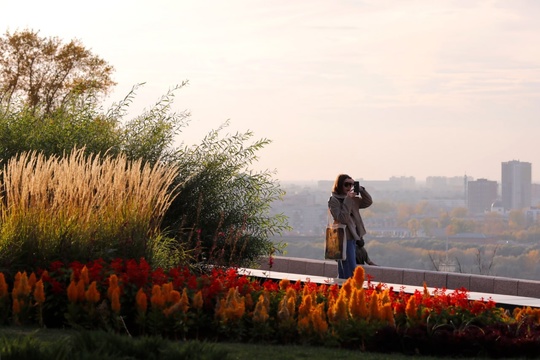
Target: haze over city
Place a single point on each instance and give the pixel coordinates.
(374, 88)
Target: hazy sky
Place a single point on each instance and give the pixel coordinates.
(374, 88)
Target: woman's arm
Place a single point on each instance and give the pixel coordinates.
(340, 210)
(365, 200)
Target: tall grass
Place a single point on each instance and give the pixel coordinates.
(80, 207)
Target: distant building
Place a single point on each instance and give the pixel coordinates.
(516, 184)
(481, 194)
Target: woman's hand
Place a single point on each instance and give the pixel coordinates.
(351, 194)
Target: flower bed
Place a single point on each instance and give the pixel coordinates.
(128, 296)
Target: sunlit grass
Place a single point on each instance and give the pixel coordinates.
(80, 207)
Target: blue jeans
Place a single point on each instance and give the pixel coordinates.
(346, 267)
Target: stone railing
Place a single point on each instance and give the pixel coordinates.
(396, 276)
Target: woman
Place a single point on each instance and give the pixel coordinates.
(344, 206)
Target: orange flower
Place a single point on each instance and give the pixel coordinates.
(115, 300)
(39, 292)
(84, 275)
(260, 315)
(284, 284)
(72, 292)
(80, 290)
(184, 301)
(387, 314)
(92, 294)
(358, 277)
(374, 310)
(411, 310)
(197, 301)
(157, 299)
(142, 301)
(113, 285)
(318, 321)
(357, 305)
(16, 306)
(3, 286)
(32, 280)
(339, 311)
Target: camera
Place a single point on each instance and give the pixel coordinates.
(357, 187)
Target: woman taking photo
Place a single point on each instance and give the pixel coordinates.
(344, 206)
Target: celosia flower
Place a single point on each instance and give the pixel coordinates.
(3, 286)
(374, 309)
(72, 292)
(358, 277)
(411, 311)
(92, 294)
(157, 299)
(260, 315)
(141, 300)
(115, 300)
(39, 292)
(16, 306)
(197, 301)
(318, 321)
(113, 285)
(84, 275)
(357, 305)
(339, 311)
(32, 280)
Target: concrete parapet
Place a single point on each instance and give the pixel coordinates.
(412, 277)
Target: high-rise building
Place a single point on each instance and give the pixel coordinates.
(481, 194)
(516, 184)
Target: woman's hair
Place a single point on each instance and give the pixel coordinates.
(338, 184)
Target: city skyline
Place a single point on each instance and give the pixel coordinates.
(373, 88)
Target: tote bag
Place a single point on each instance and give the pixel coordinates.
(335, 246)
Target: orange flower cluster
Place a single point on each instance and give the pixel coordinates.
(231, 308)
